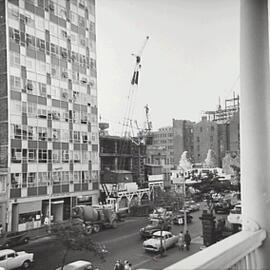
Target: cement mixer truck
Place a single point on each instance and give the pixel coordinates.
(95, 218)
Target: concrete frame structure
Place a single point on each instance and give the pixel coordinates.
(48, 100)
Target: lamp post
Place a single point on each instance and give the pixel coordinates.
(50, 200)
(185, 212)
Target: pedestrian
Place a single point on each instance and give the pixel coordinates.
(127, 265)
(187, 239)
(119, 265)
(180, 242)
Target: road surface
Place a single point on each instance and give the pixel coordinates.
(123, 243)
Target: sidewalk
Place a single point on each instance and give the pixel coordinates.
(172, 256)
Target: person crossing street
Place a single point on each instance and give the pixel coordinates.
(187, 239)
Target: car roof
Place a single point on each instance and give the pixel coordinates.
(79, 263)
(158, 233)
(6, 251)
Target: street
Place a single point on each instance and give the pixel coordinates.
(123, 243)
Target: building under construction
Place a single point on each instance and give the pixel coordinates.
(121, 159)
(223, 115)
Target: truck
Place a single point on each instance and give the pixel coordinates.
(95, 218)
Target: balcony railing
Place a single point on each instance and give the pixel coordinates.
(237, 252)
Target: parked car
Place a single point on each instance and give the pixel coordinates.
(77, 265)
(235, 216)
(10, 259)
(154, 225)
(10, 239)
(179, 219)
(154, 244)
(193, 206)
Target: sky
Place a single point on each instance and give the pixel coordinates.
(190, 60)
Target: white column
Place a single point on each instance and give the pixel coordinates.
(255, 120)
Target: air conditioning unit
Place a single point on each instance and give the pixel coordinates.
(84, 80)
(64, 54)
(51, 6)
(64, 33)
(82, 4)
(65, 95)
(30, 86)
(64, 74)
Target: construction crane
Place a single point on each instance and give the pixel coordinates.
(127, 128)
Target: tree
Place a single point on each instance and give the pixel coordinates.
(185, 162)
(73, 236)
(211, 159)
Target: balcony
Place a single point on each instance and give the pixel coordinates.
(237, 252)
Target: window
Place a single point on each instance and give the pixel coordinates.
(56, 135)
(76, 116)
(85, 157)
(30, 41)
(84, 117)
(56, 177)
(212, 128)
(32, 109)
(42, 156)
(14, 35)
(16, 180)
(42, 111)
(32, 181)
(3, 180)
(56, 156)
(11, 255)
(16, 155)
(65, 156)
(211, 138)
(16, 131)
(77, 177)
(64, 135)
(198, 139)
(76, 136)
(13, 14)
(55, 115)
(85, 176)
(65, 177)
(201, 129)
(30, 86)
(40, 44)
(15, 60)
(84, 137)
(42, 89)
(42, 134)
(54, 49)
(24, 132)
(42, 178)
(77, 156)
(32, 133)
(32, 155)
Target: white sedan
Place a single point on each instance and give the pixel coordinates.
(10, 259)
(154, 244)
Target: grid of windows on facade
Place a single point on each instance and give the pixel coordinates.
(38, 179)
(52, 84)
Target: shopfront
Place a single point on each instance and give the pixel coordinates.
(84, 200)
(26, 216)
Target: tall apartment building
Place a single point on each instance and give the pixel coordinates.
(205, 138)
(170, 142)
(48, 98)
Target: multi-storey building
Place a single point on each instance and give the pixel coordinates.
(170, 142)
(48, 98)
(205, 138)
(120, 155)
